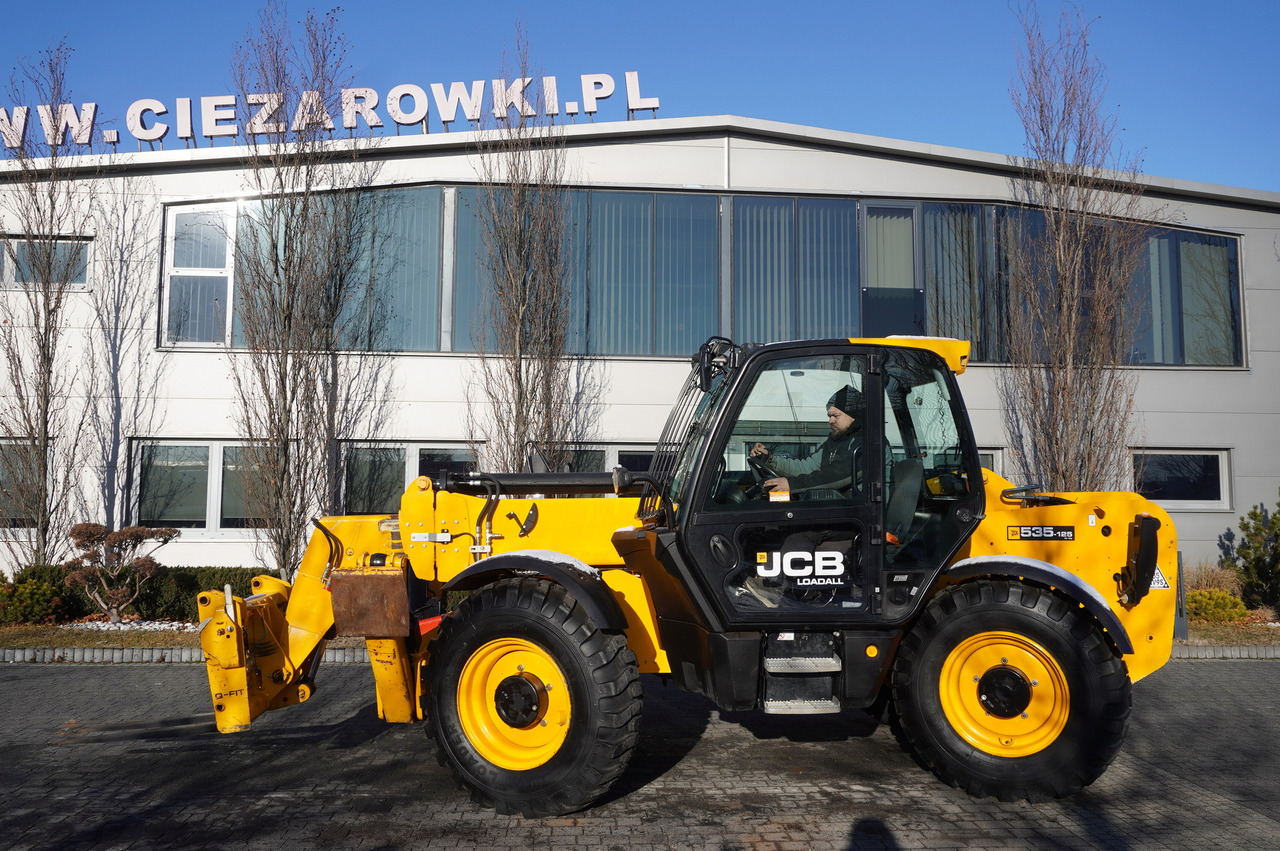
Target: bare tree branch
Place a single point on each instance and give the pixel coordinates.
(1070, 253)
(303, 283)
(122, 350)
(41, 413)
(528, 390)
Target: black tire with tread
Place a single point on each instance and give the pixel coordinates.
(1097, 685)
(604, 684)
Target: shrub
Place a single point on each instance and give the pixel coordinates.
(1262, 614)
(34, 601)
(1215, 606)
(1207, 576)
(1257, 556)
(75, 603)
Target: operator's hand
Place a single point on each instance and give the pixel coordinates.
(759, 451)
(778, 484)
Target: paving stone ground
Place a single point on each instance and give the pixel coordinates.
(122, 756)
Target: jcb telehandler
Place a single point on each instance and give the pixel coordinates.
(998, 627)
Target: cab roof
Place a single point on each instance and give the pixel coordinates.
(954, 352)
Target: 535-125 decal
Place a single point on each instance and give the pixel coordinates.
(1042, 533)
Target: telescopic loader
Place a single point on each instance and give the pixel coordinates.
(998, 628)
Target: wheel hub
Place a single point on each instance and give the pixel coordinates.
(1004, 692)
(513, 703)
(517, 701)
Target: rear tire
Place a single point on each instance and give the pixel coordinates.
(1006, 689)
(533, 708)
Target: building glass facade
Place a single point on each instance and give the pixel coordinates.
(655, 274)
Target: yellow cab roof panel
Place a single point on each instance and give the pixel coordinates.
(954, 352)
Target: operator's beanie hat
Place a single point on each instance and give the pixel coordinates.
(847, 399)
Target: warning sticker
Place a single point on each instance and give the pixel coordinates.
(1158, 581)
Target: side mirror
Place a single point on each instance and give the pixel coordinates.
(704, 367)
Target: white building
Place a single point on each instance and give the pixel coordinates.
(685, 228)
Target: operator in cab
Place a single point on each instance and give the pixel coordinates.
(830, 466)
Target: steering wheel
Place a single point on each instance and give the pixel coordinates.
(763, 472)
(762, 469)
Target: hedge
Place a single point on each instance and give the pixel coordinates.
(173, 596)
(38, 594)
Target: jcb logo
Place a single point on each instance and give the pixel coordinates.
(800, 564)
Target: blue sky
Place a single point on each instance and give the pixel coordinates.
(1195, 84)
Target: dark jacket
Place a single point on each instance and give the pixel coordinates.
(829, 466)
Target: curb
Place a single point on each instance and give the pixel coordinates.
(1206, 651)
(360, 656)
(110, 655)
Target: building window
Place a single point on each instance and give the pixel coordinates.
(376, 476)
(1184, 302)
(58, 263)
(436, 462)
(238, 477)
(1183, 478)
(892, 299)
(644, 271)
(635, 460)
(199, 275)
(992, 459)
(374, 479)
(13, 470)
(391, 271)
(954, 265)
(173, 486)
(197, 485)
(1188, 301)
(205, 485)
(645, 274)
(395, 294)
(620, 274)
(795, 268)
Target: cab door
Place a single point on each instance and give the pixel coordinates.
(807, 554)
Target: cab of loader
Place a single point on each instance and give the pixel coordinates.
(871, 515)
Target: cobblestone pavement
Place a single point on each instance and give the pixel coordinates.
(98, 756)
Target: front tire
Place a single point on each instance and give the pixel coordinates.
(1004, 688)
(533, 708)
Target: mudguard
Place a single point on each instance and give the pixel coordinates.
(1053, 576)
(580, 579)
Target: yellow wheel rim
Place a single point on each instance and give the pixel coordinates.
(513, 703)
(1004, 694)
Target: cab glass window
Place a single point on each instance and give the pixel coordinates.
(797, 436)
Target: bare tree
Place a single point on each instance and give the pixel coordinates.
(528, 390)
(303, 282)
(122, 352)
(48, 208)
(1071, 252)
